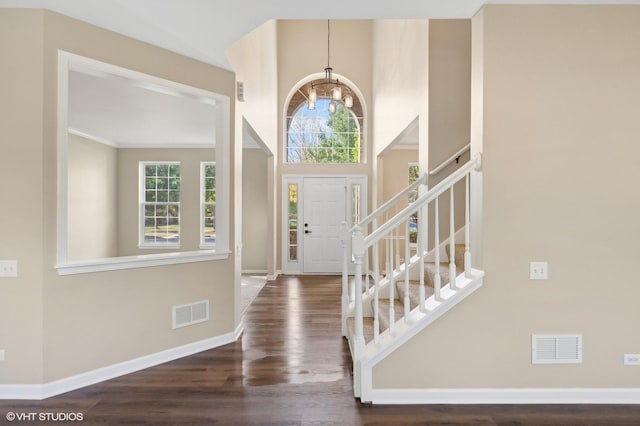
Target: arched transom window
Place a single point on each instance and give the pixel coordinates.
(325, 126)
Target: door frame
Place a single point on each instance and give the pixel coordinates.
(297, 266)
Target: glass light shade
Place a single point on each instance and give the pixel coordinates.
(311, 104)
(313, 95)
(348, 101)
(332, 106)
(336, 93)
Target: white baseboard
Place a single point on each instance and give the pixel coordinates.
(507, 396)
(58, 387)
(254, 272)
(274, 276)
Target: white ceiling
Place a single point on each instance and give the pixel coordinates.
(127, 113)
(203, 30)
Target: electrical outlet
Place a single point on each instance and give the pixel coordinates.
(631, 359)
(8, 268)
(1, 354)
(538, 271)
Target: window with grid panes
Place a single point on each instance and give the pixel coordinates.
(159, 205)
(208, 204)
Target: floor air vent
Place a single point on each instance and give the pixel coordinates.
(556, 349)
(190, 314)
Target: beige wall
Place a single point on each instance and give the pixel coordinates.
(394, 171)
(254, 59)
(400, 80)
(93, 203)
(72, 324)
(558, 129)
(128, 186)
(449, 90)
(255, 246)
(22, 215)
(449, 111)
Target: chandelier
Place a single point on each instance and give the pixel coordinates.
(329, 87)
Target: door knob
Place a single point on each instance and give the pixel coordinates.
(306, 231)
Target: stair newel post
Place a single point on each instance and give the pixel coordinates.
(357, 244)
(436, 236)
(407, 257)
(452, 243)
(345, 276)
(467, 230)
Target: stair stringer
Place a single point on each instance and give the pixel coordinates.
(411, 325)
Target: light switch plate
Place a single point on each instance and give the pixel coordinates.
(1, 354)
(538, 271)
(8, 268)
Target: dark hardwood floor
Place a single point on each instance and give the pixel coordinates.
(291, 367)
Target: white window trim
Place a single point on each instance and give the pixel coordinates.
(203, 244)
(69, 61)
(141, 204)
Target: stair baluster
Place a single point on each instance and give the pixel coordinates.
(467, 225)
(345, 278)
(422, 237)
(358, 251)
(436, 236)
(392, 284)
(376, 295)
(407, 256)
(452, 243)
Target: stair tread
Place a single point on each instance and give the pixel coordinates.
(430, 269)
(383, 312)
(367, 328)
(458, 259)
(414, 292)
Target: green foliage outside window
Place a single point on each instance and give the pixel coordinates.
(320, 136)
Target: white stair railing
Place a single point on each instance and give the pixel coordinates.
(381, 214)
(366, 245)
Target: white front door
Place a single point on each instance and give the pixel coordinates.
(324, 210)
(322, 203)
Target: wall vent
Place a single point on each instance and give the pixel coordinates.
(556, 349)
(190, 314)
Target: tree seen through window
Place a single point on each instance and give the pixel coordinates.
(319, 136)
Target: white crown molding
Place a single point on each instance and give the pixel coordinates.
(47, 390)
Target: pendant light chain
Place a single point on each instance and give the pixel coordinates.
(336, 91)
(328, 71)
(328, 43)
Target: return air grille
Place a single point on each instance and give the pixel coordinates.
(190, 314)
(556, 349)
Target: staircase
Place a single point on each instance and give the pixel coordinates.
(400, 293)
(422, 277)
